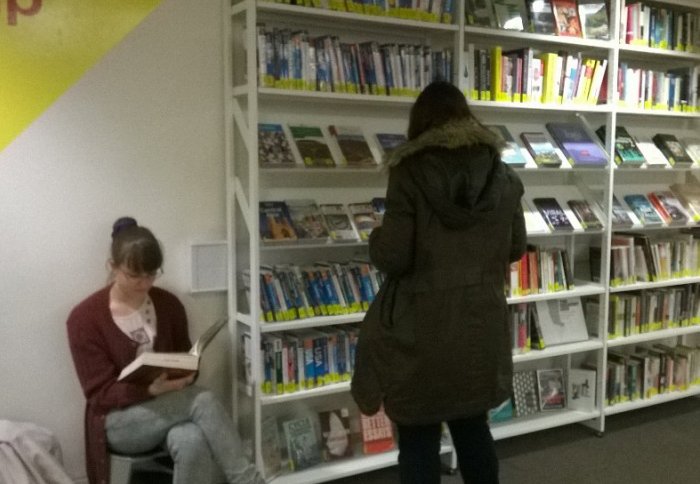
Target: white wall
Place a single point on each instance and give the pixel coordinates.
(140, 134)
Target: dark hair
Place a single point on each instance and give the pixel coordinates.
(135, 247)
(437, 104)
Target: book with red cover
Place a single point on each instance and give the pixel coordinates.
(567, 21)
(377, 433)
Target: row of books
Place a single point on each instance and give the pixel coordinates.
(425, 10)
(542, 324)
(305, 221)
(290, 59)
(525, 75)
(283, 145)
(653, 310)
(674, 207)
(301, 360)
(643, 258)
(303, 441)
(651, 370)
(289, 292)
(664, 149)
(582, 18)
(547, 389)
(540, 270)
(659, 26)
(671, 90)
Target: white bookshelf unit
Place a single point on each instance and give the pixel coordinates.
(248, 104)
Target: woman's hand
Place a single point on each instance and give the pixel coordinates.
(162, 385)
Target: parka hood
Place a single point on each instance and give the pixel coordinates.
(458, 168)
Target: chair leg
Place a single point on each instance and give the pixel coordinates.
(120, 470)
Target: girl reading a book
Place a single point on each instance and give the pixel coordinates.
(106, 331)
(435, 344)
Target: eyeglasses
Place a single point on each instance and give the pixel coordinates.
(144, 275)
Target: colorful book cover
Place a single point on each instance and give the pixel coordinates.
(553, 214)
(525, 393)
(511, 154)
(689, 196)
(552, 392)
(620, 217)
(643, 209)
(667, 203)
(307, 220)
(363, 218)
(594, 19)
(585, 214)
(627, 152)
(273, 146)
(541, 16)
(501, 413)
(352, 145)
(335, 434)
(302, 443)
(377, 433)
(340, 226)
(567, 19)
(672, 149)
(312, 146)
(542, 150)
(578, 146)
(275, 222)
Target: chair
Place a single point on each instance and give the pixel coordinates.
(122, 466)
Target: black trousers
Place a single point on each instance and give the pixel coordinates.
(419, 452)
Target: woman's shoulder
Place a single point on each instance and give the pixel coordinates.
(163, 297)
(89, 308)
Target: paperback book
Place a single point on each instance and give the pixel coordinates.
(307, 220)
(270, 446)
(149, 365)
(273, 146)
(377, 433)
(363, 219)
(553, 214)
(480, 12)
(541, 148)
(352, 146)
(562, 321)
(652, 154)
(585, 214)
(534, 223)
(312, 146)
(510, 14)
(511, 154)
(335, 434)
(620, 217)
(340, 226)
(643, 209)
(566, 17)
(302, 443)
(594, 19)
(627, 152)
(672, 149)
(275, 223)
(501, 413)
(525, 393)
(689, 196)
(581, 385)
(388, 142)
(578, 146)
(669, 207)
(692, 147)
(541, 16)
(552, 390)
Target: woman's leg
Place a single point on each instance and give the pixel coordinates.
(191, 455)
(419, 453)
(476, 452)
(142, 427)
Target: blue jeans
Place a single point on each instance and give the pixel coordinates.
(419, 451)
(198, 432)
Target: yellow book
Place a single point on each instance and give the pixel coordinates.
(549, 77)
(496, 63)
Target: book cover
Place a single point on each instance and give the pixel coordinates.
(273, 146)
(541, 16)
(270, 446)
(541, 148)
(652, 154)
(307, 220)
(150, 365)
(689, 196)
(525, 393)
(627, 152)
(480, 12)
(567, 19)
(379, 207)
(335, 434)
(377, 433)
(389, 142)
(581, 385)
(594, 19)
(692, 147)
(275, 222)
(667, 204)
(510, 14)
(363, 219)
(511, 154)
(643, 209)
(562, 321)
(352, 146)
(620, 217)
(672, 149)
(578, 146)
(534, 223)
(553, 214)
(552, 391)
(340, 226)
(302, 443)
(585, 214)
(501, 413)
(312, 146)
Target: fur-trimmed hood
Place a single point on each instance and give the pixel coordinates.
(458, 169)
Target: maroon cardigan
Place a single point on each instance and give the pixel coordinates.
(100, 350)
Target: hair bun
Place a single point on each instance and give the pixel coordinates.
(123, 223)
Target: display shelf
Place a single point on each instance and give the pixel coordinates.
(649, 402)
(540, 421)
(315, 322)
(491, 35)
(592, 344)
(681, 281)
(653, 336)
(581, 288)
(331, 389)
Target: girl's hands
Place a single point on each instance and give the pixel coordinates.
(163, 385)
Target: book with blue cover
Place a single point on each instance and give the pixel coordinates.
(578, 145)
(643, 209)
(510, 154)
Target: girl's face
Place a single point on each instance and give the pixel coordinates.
(132, 283)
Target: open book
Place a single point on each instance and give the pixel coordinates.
(149, 365)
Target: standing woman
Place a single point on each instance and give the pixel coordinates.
(435, 344)
(106, 331)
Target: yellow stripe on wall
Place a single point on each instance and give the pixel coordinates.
(47, 45)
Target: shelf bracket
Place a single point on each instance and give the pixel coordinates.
(242, 201)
